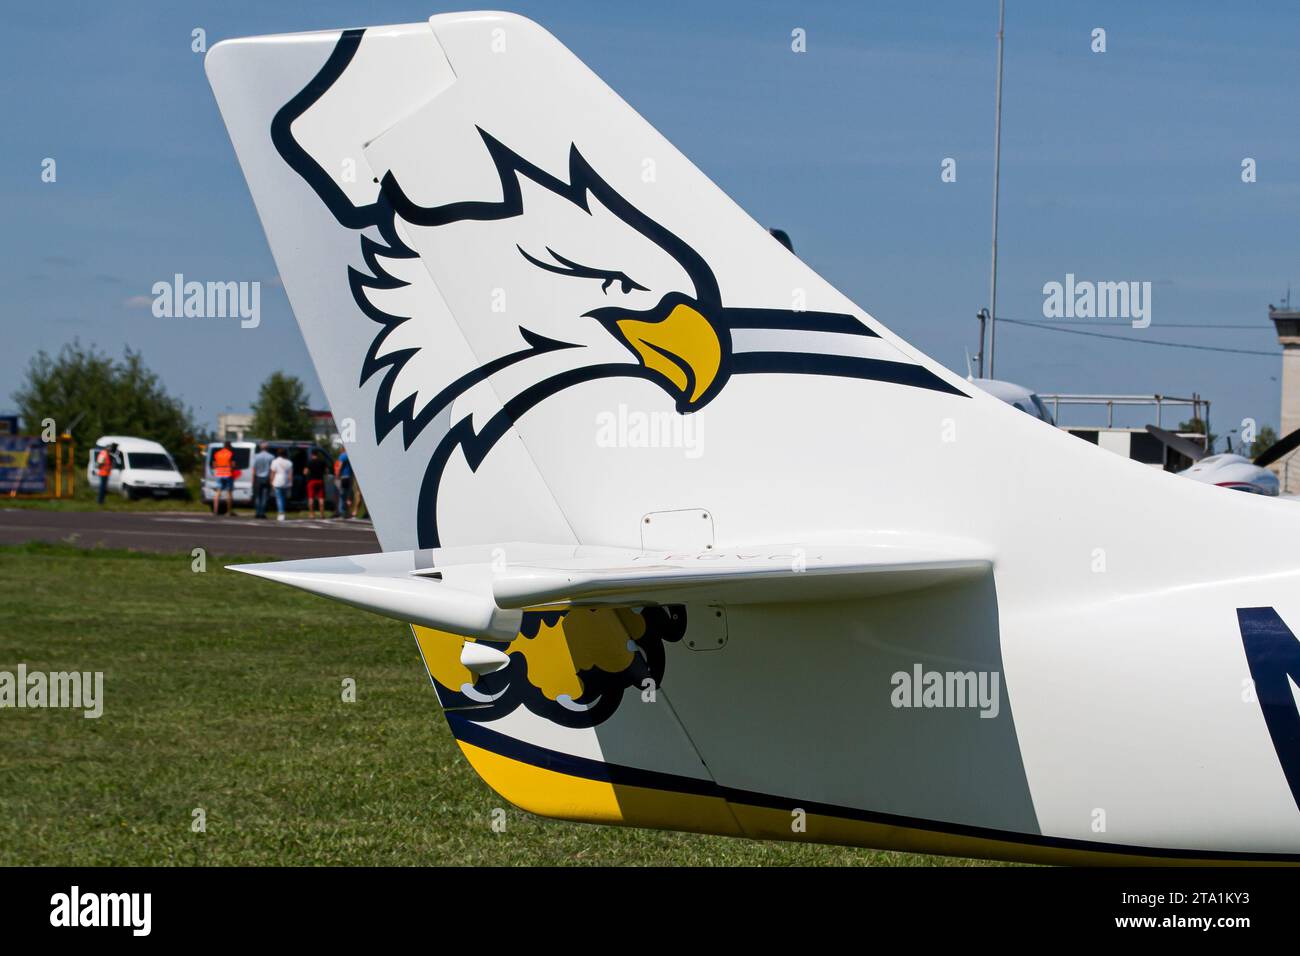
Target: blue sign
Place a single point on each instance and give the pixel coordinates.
(22, 465)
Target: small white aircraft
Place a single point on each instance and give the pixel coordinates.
(688, 540)
(1230, 470)
(1016, 396)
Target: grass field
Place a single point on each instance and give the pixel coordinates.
(224, 693)
(83, 498)
(84, 494)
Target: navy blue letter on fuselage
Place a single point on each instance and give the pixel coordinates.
(1274, 656)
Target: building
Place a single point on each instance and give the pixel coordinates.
(1287, 323)
(234, 426)
(1138, 444)
(322, 427)
(238, 426)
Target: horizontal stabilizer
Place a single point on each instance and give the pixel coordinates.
(384, 584)
(744, 576)
(481, 591)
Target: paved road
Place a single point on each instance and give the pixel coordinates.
(183, 531)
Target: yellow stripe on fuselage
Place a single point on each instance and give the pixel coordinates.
(550, 793)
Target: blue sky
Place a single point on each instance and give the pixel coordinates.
(1116, 166)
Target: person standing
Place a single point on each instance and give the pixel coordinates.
(261, 479)
(104, 468)
(315, 472)
(281, 480)
(223, 470)
(343, 472)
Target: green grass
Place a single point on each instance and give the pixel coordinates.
(224, 693)
(83, 499)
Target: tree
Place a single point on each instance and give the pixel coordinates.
(1197, 426)
(88, 394)
(281, 409)
(1265, 439)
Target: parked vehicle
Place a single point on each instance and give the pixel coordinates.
(141, 469)
(244, 451)
(298, 451)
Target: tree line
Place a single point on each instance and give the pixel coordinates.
(88, 393)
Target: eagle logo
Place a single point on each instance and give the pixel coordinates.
(598, 290)
(571, 667)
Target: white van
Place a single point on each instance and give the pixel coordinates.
(142, 468)
(243, 468)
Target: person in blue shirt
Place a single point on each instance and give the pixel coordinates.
(261, 479)
(343, 472)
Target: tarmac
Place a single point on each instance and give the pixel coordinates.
(184, 531)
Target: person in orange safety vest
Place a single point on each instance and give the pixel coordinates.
(223, 470)
(104, 467)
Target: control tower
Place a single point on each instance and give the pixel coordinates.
(1287, 323)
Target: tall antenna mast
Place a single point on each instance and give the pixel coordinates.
(997, 168)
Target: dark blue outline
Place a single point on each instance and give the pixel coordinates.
(600, 688)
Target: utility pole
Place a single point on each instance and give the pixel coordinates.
(997, 168)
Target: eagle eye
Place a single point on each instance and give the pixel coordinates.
(567, 267)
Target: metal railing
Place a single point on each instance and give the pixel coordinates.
(1109, 402)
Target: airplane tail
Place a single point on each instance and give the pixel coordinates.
(507, 278)
(685, 534)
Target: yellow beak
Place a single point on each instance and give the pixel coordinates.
(683, 347)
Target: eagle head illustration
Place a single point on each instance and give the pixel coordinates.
(561, 264)
(496, 281)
